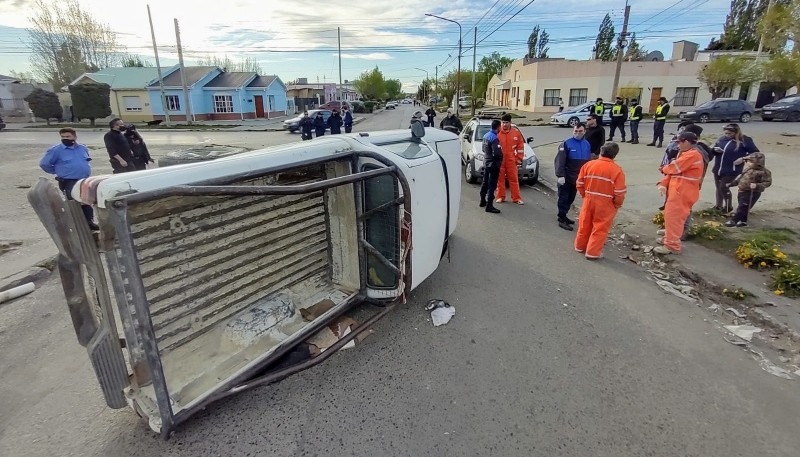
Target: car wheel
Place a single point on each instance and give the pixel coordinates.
(469, 172)
(744, 118)
(766, 119)
(200, 154)
(292, 130)
(535, 179)
(794, 116)
(573, 121)
(704, 118)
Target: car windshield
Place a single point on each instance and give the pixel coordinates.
(482, 130)
(790, 99)
(407, 149)
(706, 105)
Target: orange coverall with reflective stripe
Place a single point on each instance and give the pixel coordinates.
(513, 148)
(601, 183)
(682, 179)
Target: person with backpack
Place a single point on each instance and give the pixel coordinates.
(753, 181)
(732, 146)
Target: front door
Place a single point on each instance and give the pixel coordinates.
(259, 100)
(655, 94)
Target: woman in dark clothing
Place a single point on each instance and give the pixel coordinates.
(141, 156)
(733, 145)
(319, 125)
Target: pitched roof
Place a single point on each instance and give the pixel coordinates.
(262, 81)
(231, 79)
(7, 78)
(193, 74)
(123, 77)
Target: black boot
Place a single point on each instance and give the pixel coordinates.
(636, 141)
(623, 140)
(483, 202)
(659, 145)
(651, 144)
(491, 209)
(565, 225)
(568, 220)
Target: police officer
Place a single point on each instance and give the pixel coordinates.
(119, 150)
(306, 126)
(661, 118)
(619, 114)
(634, 116)
(599, 108)
(319, 124)
(491, 167)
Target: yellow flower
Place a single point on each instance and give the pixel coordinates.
(763, 264)
(724, 291)
(778, 292)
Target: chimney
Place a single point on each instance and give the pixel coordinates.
(684, 50)
(302, 80)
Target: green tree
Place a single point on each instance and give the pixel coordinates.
(393, 88)
(44, 104)
(604, 48)
(726, 73)
(780, 25)
(91, 100)
(635, 51)
(537, 43)
(782, 71)
(425, 90)
(740, 31)
(371, 84)
(132, 60)
(493, 64)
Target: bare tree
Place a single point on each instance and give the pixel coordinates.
(248, 64)
(65, 41)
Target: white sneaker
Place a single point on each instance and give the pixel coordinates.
(661, 232)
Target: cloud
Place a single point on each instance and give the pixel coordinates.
(370, 56)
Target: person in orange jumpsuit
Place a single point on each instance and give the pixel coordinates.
(601, 183)
(681, 186)
(513, 147)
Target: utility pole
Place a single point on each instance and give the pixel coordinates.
(621, 43)
(761, 38)
(474, 57)
(339, 37)
(436, 81)
(158, 67)
(188, 108)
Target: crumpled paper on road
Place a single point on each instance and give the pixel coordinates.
(441, 311)
(744, 332)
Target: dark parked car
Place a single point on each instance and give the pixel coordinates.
(785, 109)
(721, 109)
(2, 123)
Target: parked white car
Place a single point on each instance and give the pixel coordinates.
(571, 116)
(218, 269)
(473, 158)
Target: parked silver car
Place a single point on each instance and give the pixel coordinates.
(472, 154)
(293, 124)
(571, 116)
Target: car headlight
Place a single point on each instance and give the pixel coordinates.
(531, 160)
(480, 156)
(779, 107)
(690, 112)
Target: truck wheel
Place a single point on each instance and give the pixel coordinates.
(469, 172)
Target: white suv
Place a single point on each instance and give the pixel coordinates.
(472, 153)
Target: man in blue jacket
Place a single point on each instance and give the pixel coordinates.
(493, 158)
(348, 120)
(572, 154)
(69, 161)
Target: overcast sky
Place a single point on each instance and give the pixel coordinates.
(297, 38)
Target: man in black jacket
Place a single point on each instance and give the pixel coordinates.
(306, 126)
(660, 117)
(634, 117)
(119, 150)
(319, 124)
(491, 167)
(335, 123)
(595, 134)
(451, 122)
(619, 114)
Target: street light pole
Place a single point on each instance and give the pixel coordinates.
(424, 89)
(458, 72)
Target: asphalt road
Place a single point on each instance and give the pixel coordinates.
(548, 355)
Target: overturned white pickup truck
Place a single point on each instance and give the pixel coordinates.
(193, 289)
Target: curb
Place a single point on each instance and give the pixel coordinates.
(34, 274)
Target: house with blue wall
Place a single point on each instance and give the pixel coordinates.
(216, 94)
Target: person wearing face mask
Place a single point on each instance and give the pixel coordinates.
(601, 183)
(335, 123)
(513, 148)
(572, 155)
(141, 155)
(493, 161)
(635, 117)
(119, 150)
(595, 133)
(681, 185)
(306, 126)
(319, 125)
(660, 117)
(730, 147)
(69, 161)
(348, 120)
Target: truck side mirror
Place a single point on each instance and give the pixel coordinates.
(466, 137)
(530, 140)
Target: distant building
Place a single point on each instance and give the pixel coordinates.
(12, 96)
(129, 96)
(308, 96)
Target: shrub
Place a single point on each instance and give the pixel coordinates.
(786, 281)
(360, 108)
(44, 104)
(709, 230)
(369, 106)
(761, 254)
(658, 219)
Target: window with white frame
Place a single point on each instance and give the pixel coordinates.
(551, 97)
(685, 96)
(223, 104)
(131, 103)
(577, 96)
(173, 103)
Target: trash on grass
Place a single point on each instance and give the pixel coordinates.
(744, 332)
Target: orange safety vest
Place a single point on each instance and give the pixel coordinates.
(602, 178)
(684, 175)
